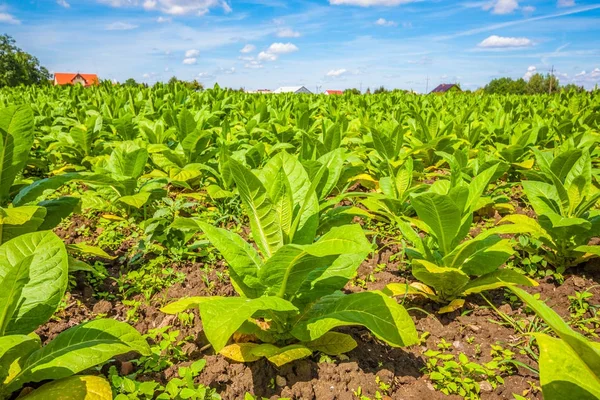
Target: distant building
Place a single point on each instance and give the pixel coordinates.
(293, 89)
(71, 78)
(333, 92)
(446, 87)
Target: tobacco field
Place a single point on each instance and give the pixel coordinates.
(165, 243)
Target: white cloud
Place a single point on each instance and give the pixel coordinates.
(63, 3)
(288, 33)
(385, 22)
(502, 6)
(190, 61)
(566, 3)
(192, 53)
(162, 20)
(369, 3)
(172, 7)
(334, 73)
(528, 9)
(249, 48)
(531, 70)
(582, 73)
(282, 48)
(266, 56)
(8, 19)
(120, 26)
(495, 42)
(595, 73)
(275, 50)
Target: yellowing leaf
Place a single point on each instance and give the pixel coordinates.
(333, 343)
(112, 217)
(73, 388)
(240, 352)
(453, 306)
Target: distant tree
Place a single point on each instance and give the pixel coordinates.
(506, 86)
(539, 84)
(18, 67)
(571, 87)
(368, 91)
(173, 80)
(195, 85)
(352, 91)
(380, 89)
(130, 82)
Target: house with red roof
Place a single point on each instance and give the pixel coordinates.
(333, 92)
(72, 78)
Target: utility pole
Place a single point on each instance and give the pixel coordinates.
(551, 80)
(427, 85)
(361, 87)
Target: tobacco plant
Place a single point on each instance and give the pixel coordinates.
(33, 277)
(564, 198)
(289, 290)
(447, 263)
(569, 363)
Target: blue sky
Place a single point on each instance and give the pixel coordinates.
(334, 44)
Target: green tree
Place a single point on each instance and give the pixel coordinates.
(18, 67)
(352, 91)
(506, 86)
(539, 84)
(130, 82)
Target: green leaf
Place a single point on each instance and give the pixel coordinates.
(20, 220)
(385, 318)
(497, 279)
(136, 200)
(79, 348)
(288, 269)
(563, 374)
(447, 282)
(442, 216)
(48, 277)
(243, 260)
(222, 316)
(73, 388)
(16, 140)
(259, 208)
(13, 348)
(588, 354)
(479, 257)
(91, 251)
(127, 160)
(305, 201)
(183, 304)
(12, 288)
(57, 210)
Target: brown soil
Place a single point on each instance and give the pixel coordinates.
(471, 331)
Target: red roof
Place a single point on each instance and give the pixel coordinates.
(66, 78)
(334, 92)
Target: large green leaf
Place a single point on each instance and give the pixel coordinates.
(563, 375)
(441, 215)
(12, 286)
(377, 312)
(47, 281)
(20, 220)
(13, 348)
(79, 348)
(288, 269)
(588, 354)
(479, 257)
(305, 200)
(222, 316)
(243, 260)
(259, 208)
(16, 139)
(497, 279)
(127, 161)
(57, 210)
